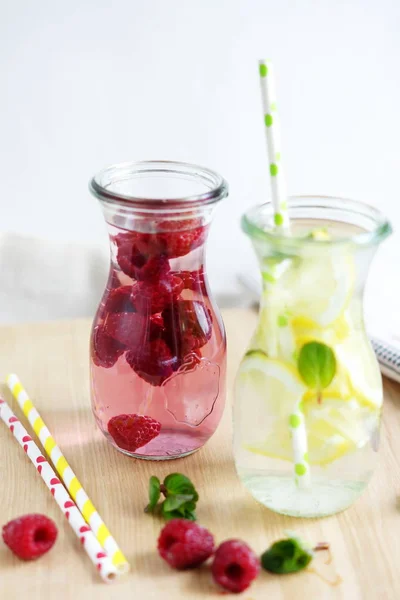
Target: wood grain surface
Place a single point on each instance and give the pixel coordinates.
(52, 361)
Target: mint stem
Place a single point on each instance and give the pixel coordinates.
(321, 546)
(163, 490)
(324, 546)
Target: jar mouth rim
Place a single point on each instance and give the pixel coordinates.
(380, 230)
(215, 184)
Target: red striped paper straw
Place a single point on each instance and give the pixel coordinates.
(70, 480)
(94, 550)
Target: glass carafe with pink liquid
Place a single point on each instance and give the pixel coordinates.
(158, 349)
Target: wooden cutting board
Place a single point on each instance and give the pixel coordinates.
(51, 360)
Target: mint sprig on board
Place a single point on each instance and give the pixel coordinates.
(180, 497)
(287, 556)
(154, 493)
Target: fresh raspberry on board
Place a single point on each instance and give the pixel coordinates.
(131, 432)
(153, 362)
(153, 297)
(235, 566)
(188, 325)
(184, 545)
(105, 350)
(30, 536)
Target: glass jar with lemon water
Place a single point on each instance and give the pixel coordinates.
(308, 393)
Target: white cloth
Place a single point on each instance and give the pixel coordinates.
(46, 280)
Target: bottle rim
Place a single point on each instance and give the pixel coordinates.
(258, 222)
(107, 184)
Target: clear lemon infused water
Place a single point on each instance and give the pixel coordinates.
(308, 393)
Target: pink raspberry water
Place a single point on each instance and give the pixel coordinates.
(158, 349)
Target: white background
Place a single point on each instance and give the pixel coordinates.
(89, 82)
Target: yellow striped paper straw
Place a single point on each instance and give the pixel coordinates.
(69, 478)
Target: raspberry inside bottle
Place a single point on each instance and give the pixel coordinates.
(158, 349)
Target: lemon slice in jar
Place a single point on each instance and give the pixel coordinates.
(357, 356)
(272, 387)
(320, 288)
(325, 444)
(333, 430)
(337, 425)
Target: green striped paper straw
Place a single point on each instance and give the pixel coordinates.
(296, 423)
(272, 134)
(298, 432)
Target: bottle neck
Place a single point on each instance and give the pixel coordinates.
(153, 247)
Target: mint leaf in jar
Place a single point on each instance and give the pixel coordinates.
(317, 365)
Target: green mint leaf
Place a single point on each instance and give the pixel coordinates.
(175, 502)
(190, 506)
(181, 513)
(317, 365)
(187, 509)
(180, 497)
(170, 514)
(177, 484)
(286, 556)
(154, 493)
(191, 516)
